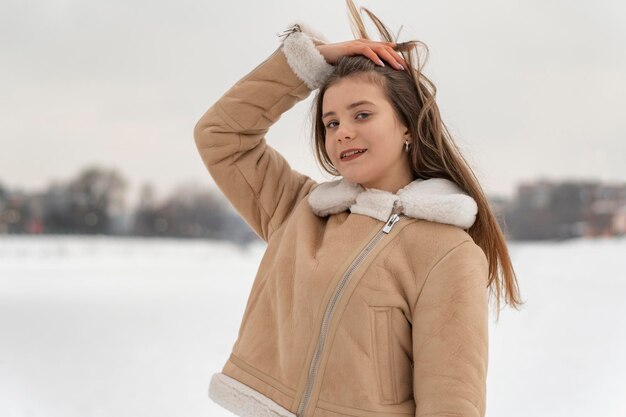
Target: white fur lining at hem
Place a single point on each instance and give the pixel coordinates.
(242, 400)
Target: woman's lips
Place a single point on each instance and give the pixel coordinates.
(353, 156)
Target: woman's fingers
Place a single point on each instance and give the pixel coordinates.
(392, 57)
(369, 53)
(376, 50)
(387, 51)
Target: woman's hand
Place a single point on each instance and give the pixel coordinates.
(374, 50)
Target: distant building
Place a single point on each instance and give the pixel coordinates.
(619, 221)
(566, 209)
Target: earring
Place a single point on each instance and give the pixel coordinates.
(406, 146)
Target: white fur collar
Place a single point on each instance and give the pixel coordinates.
(435, 199)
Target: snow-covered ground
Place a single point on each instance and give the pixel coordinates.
(98, 326)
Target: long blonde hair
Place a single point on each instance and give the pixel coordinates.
(433, 153)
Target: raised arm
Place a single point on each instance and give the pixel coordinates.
(450, 336)
(230, 136)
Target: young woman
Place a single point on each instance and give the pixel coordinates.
(372, 296)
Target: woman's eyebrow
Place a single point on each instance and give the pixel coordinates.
(350, 106)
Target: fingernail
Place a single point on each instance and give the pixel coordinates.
(381, 63)
(401, 67)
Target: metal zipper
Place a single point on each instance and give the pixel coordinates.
(391, 221)
(292, 29)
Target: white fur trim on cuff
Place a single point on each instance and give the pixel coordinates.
(304, 58)
(242, 400)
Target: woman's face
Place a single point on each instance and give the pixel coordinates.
(356, 115)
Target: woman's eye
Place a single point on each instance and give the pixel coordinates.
(330, 124)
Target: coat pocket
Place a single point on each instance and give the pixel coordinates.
(380, 322)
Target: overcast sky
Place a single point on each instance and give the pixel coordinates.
(529, 89)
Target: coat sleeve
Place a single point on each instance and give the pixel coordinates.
(450, 336)
(230, 136)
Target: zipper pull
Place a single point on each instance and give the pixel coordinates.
(292, 29)
(393, 219)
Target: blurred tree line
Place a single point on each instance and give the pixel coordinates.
(94, 202)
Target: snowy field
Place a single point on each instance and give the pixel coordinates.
(132, 327)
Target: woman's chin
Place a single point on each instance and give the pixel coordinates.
(355, 179)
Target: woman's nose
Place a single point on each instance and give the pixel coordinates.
(345, 132)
